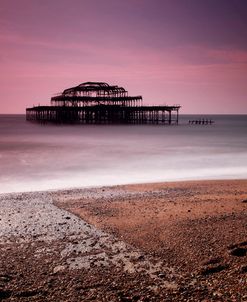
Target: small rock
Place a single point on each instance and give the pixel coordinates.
(213, 261)
(5, 278)
(141, 257)
(239, 252)
(58, 268)
(161, 275)
(213, 269)
(243, 269)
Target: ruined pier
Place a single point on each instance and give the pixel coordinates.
(101, 103)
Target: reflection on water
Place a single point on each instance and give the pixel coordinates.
(38, 157)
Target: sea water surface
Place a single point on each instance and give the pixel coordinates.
(39, 157)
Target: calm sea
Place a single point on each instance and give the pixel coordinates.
(38, 157)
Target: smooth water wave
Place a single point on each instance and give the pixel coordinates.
(40, 157)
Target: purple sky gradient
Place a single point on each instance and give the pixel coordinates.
(187, 52)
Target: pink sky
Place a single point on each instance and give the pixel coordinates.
(190, 53)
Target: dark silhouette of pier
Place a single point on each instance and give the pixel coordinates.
(101, 103)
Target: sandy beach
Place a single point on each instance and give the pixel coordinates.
(183, 241)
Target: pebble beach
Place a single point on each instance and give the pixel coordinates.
(183, 241)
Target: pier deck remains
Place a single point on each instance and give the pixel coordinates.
(101, 103)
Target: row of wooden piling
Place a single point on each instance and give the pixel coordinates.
(105, 114)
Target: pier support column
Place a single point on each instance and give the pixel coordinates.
(170, 117)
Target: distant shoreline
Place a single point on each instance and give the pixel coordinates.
(81, 188)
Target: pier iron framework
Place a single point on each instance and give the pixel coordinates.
(101, 103)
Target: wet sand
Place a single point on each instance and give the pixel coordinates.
(184, 241)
